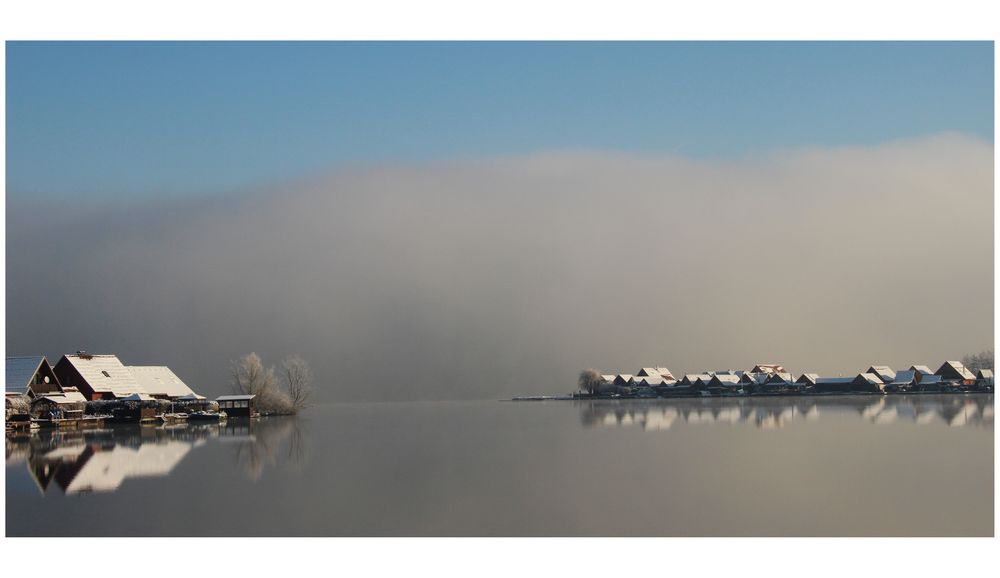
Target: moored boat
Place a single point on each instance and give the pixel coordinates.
(206, 416)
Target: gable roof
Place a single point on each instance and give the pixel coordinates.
(780, 377)
(719, 379)
(104, 373)
(807, 378)
(984, 374)
(663, 371)
(904, 377)
(955, 368)
(921, 369)
(869, 378)
(885, 373)
(767, 368)
(158, 380)
(19, 371)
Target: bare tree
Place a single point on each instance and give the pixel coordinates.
(298, 379)
(590, 380)
(249, 377)
(977, 361)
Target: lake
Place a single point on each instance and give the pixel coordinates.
(808, 466)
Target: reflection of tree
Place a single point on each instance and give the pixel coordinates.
(267, 442)
(775, 412)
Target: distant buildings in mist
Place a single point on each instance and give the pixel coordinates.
(659, 381)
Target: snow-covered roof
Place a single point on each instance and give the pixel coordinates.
(138, 397)
(235, 397)
(104, 374)
(65, 397)
(957, 367)
(921, 369)
(158, 380)
(808, 378)
(870, 378)
(885, 372)
(726, 379)
(904, 377)
(767, 368)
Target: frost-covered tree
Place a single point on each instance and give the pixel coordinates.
(250, 377)
(297, 379)
(590, 380)
(976, 361)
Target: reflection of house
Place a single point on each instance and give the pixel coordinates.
(955, 371)
(106, 470)
(237, 405)
(159, 382)
(32, 376)
(96, 376)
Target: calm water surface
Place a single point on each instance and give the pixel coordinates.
(899, 465)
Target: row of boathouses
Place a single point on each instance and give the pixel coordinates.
(773, 379)
(81, 384)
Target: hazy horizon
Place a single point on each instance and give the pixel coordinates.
(482, 279)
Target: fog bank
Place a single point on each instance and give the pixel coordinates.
(485, 279)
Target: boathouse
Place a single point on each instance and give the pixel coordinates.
(623, 379)
(833, 385)
(96, 376)
(237, 405)
(984, 377)
(921, 370)
(929, 383)
(726, 382)
(807, 379)
(868, 382)
(695, 378)
(655, 372)
(884, 372)
(66, 405)
(955, 371)
(904, 381)
(31, 376)
(159, 382)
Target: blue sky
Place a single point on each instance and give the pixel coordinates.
(142, 120)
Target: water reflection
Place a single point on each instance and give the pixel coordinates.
(777, 412)
(102, 460)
